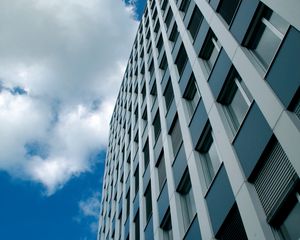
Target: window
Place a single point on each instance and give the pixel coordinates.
(154, 15)
(153, 93)
(266, 35)
(174, 33)
(176, 136)
(289, 228)
(163, 64)
(167, 226)
(188, 208)
(148, 201)
(227, 9)
(192, 95)
(143, 92)
(137, 226)
(151, 69)
(146, 155)
(232, 228)
(184, 6)
(168, 94)
(181, 60)
(164, 5)
(297, 108)
(136, 180)
(209, 157)
(156, 126)
(161, 171)
(237, 100)
(144, 117)
(128, 203)
(136, 116)
(210, 50)
(169, 17)
(282, 206)
(195, 22)
(159, 44)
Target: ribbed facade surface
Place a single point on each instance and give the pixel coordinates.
(204, 139)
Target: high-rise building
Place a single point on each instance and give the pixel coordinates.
(204, 138)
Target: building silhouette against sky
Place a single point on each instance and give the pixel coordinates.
(204, 138)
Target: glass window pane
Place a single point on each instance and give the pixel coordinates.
(213, 57)
(290, 227)
(214, 158)
(161, 172)
(176, 137)
(267, 46)
(238, 108)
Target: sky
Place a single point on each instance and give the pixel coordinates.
(61, 66)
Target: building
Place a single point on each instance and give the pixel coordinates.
(204, 139)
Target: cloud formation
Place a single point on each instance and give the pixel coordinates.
(89, 209)
(61, 65)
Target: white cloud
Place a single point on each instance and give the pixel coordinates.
(89, 208)
(69, 56)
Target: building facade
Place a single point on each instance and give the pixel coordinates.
(204, 138)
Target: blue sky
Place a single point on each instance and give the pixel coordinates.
(58, 58)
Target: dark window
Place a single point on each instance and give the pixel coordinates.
(128, 203)
(181, 60)
(227, 8)
(232, 228)
(136, 180)
(153, 93)
(195, 22)
(156, 126)
(164, 5)
(184, 5)
(266, 34)
(159, 44)
(167, 226)
(143, 92)
(188, 208)
(137, 226)
(274, 164)
(169, 17)
(209, 156)
(168, 94)
(210, 50)
(174, 33)
(146, 155)
(176, 136)
(192, 95)
(151, 68)
(237, 100)
(161, 171)
(148, 200)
